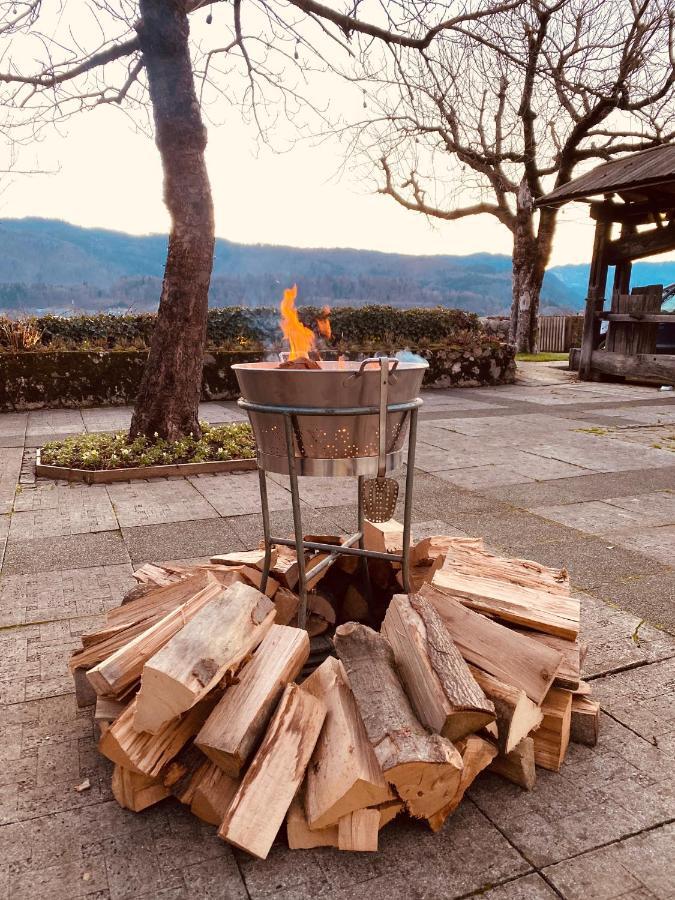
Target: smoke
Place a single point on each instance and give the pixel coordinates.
(407, 356)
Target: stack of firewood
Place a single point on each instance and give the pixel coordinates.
(199, 690)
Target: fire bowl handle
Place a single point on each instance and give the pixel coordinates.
(378, 360)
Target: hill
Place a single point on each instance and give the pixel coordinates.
(52, 265)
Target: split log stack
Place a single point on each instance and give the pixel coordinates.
(202, 694)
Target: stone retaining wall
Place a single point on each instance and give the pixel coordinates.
(81, 378)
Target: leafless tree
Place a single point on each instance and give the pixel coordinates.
(64, 58)
(500, 110)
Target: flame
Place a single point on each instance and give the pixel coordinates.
(300, 338)
(323, 323)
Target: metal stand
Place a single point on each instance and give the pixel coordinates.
(353, 545)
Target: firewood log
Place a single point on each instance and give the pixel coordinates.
(235, 727)
(517, 765)
(183, 774)
(552, 737)
(213, 795)
(568, 675)
(358, 830)
(298, 833)
(477, 754)
(152, 574)
(464, 558)
(135, 791)
(517, 715)
(442, 690)
(216, 641)
(268, 787)
(532, 608)
(253, 558)
(424, 768)
(112, 676)
(344, 774)
(384, 537)
(159, 601)
(285, 606)
(585, 721)
(148, 753)
(500, 651)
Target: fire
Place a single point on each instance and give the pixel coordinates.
(300, 338)
(323, 323)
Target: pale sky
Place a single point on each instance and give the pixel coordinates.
(107, 174)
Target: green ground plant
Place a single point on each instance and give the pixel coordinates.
(115, 451)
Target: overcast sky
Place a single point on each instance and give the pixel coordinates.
(106, 173)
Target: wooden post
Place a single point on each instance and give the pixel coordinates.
(596, 297)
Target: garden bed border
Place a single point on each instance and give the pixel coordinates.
(134, 473)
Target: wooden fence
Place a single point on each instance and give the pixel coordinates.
(558, 334)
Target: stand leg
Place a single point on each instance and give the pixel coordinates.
(264, 505)
(407, 508)
(297, 523)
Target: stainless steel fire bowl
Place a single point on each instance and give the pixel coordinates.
(334, 414)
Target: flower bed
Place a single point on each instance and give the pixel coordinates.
(111, 457)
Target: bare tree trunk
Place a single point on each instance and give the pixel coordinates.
(531, 253)
(168, 399)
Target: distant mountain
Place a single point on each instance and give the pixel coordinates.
(51, 265)
(575, 277)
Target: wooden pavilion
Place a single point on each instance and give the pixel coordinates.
(637, 199)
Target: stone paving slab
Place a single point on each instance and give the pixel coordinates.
(158, 501)
(51, 509)
(651, 597)
(68, 552)
(645, 702)
(592, 486)
(596, 452)
(52, 423)
(10, 468)
(238, 494)
(205, 537)
(602, 794)
(609, 634)
(50, 596)
(639, 868)
(658, 543)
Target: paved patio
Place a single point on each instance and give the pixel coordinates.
(581, 475)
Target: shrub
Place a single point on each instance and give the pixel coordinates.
(254, 327)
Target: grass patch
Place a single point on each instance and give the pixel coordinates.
(542, 357)
(116, 451)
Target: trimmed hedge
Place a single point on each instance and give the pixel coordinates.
(80, 378)
(240, 327)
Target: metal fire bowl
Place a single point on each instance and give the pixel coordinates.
(327, 443)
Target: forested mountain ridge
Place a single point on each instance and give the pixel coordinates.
(49, 264)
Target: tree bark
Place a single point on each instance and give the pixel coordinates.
(531, 253)
(168, 398)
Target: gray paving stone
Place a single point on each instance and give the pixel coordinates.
(54, 423)
(640, 867)
(601, 795)
(181, 540)
(238, 494)
(651, 597)
(10, 469)
(158, 501)
(529, 887)
(597, 486)
(51, 509)
(590, 560)
(643, 700)
(609, 633)
(62, 594)
(69, 552)
(322, 492)
(601, 454)
(323, 521)
(657, 543)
